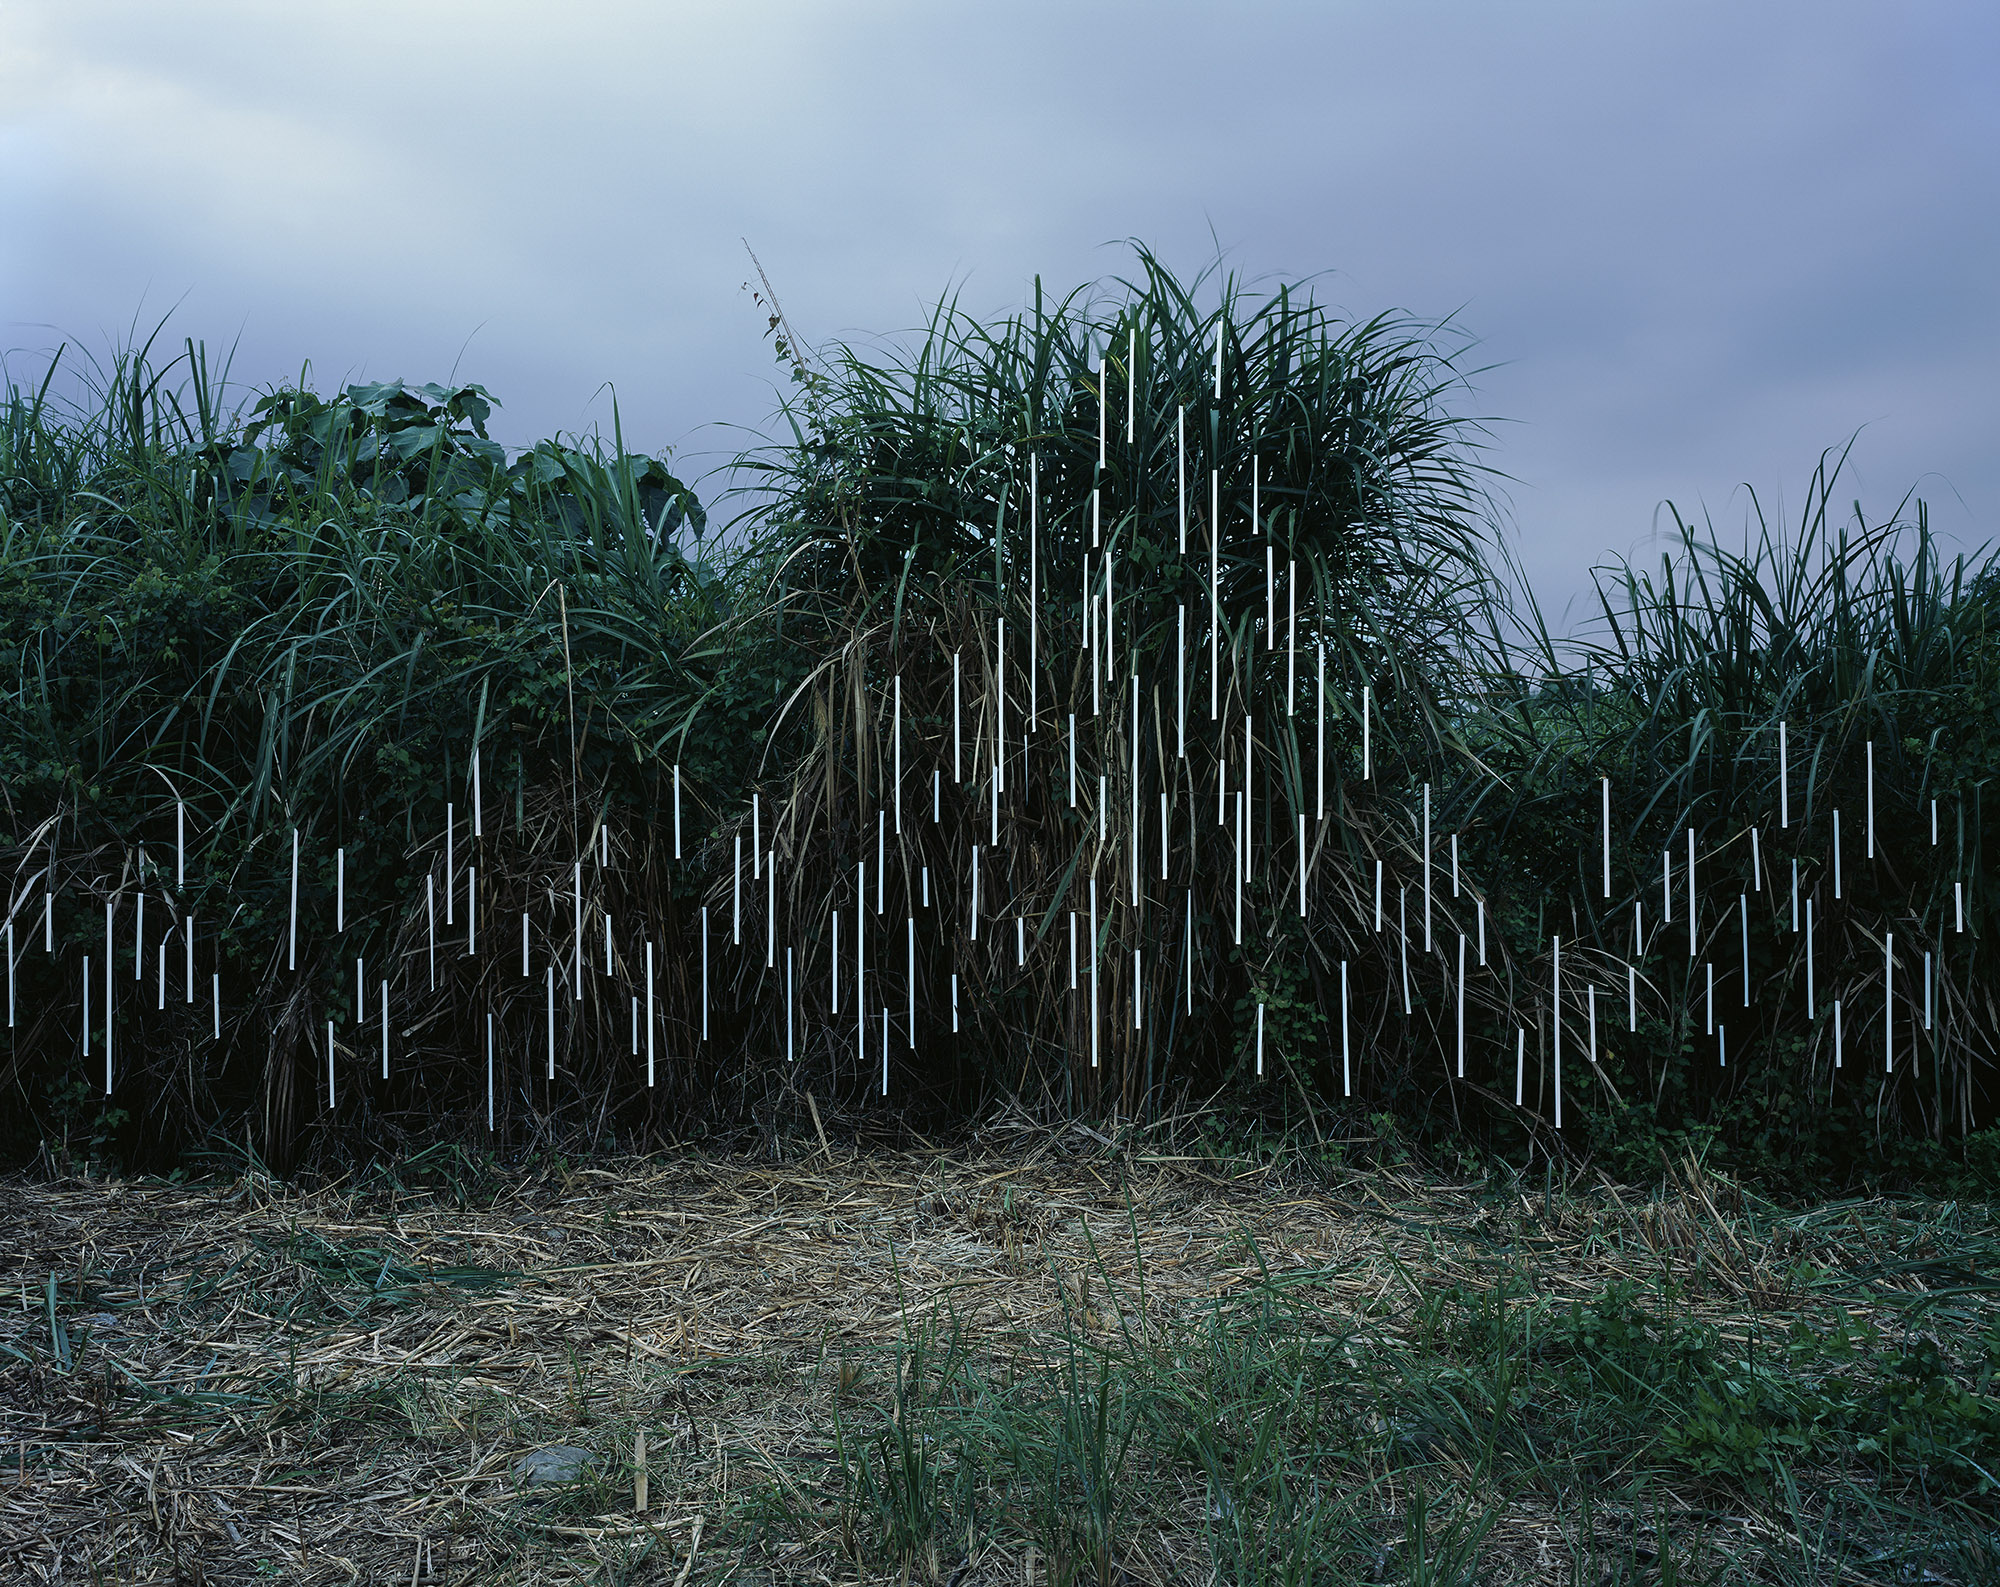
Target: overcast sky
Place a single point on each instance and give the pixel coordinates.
(1698, 243)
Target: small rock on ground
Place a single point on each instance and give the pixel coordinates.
(556, 1463)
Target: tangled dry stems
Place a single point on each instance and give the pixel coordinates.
(240, 1381)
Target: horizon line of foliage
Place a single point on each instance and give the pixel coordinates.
(300, 613)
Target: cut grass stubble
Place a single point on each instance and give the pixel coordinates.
(1088, 1368)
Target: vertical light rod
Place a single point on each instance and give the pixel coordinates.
(1743, 916)
(1556, 1015)
(1093, 973)
(1346, 1062)
(1367, 711)
(1319, 751)
(1691, 905)
(1291, 638)
(1607, 836)
(1888, 1002)
(1302, 865)
(1132, 858)
(999, 705)
(1461, 1005)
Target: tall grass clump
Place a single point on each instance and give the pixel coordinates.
(1132, 523)
(1113, 704)
(309, 614)
(1742, 694)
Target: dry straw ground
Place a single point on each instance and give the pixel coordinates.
(841, 1364)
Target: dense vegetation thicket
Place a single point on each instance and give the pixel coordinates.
(537, 730)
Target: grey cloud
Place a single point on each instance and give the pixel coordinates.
(1698, 243)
